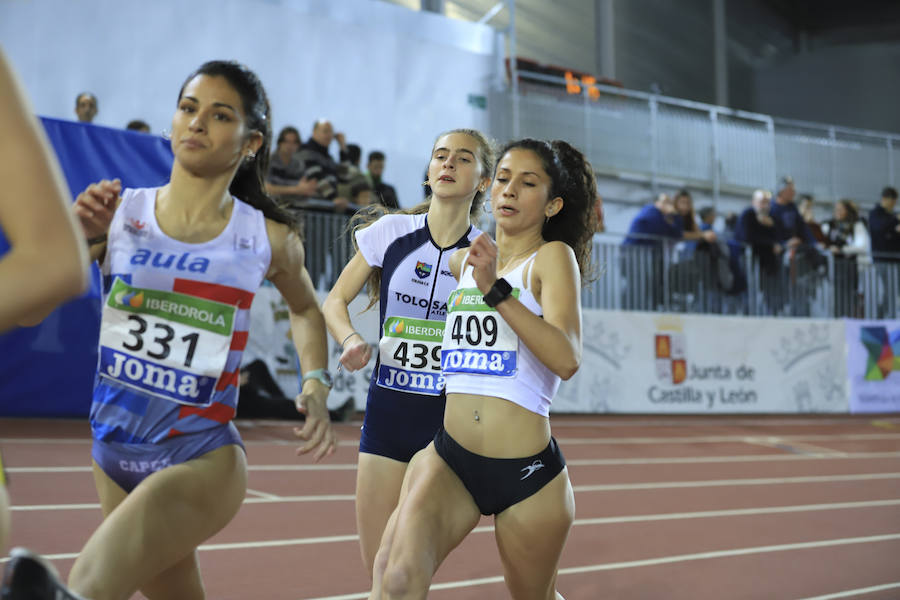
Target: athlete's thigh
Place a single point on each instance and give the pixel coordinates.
(435, 513)
(161, 522)
(109, 492)
(378, 481)
(181, 581)
(531, 535)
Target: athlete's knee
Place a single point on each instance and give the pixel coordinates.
(402, 580)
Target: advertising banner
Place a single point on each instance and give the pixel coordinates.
(638, 362)
(873, 365)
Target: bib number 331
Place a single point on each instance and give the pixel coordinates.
(166, 344)
(477, 340)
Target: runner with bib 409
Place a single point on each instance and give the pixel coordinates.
(513, 331)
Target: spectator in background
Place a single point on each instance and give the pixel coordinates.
(654, 222)
(730, 220)
(384, 193)
(789, 224)
(848, 240)
(642, 253)
(285, 180)
(352, 183)
(884, 228)
(756, 228)
(86, 107)
(321, 166)
(138, 125)
(806, 211)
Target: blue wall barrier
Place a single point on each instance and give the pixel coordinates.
(48, 370)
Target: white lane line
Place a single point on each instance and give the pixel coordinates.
(659, 561)
(856, 592)
(575, 462)
(658, 485)
(576, 523)
(736, 512)
(261, 495)
(266, 498)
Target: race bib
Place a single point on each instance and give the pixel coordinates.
(477, 340)
(166, 344)
(410, 356)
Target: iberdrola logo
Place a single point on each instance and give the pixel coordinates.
(132, 299)
(456, 298)
(397, 327)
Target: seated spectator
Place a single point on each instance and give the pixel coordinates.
(383, 193)
(86, 107)
(321, 166)
(806, 211)
(655, 222)
(138, 125)
(285, 180)
(848, 240)
(884, 228)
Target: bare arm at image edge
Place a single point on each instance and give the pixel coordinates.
(48, 261)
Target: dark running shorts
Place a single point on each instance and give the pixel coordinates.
(497, 483)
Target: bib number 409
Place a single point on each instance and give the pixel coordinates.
(476, 330)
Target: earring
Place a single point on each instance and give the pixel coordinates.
(425, 183)
(251, 155)
(166, 134)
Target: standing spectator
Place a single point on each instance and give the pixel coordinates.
(285, 179)
(848, 240)
(803, 257)
(884, 228)
(653, 223)
(384, 193)
(789, 224)
(756, 228)
(86, 107)
(352, 183)
(643, 253)
(321, 166)
(806, 211)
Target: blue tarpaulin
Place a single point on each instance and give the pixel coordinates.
(48, 370)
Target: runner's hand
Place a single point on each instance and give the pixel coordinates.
(356, 354)
(317, 431)
(95, 206)
(483, 258)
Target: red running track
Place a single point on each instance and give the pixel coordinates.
(670, 508)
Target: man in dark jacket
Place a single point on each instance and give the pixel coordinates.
(884, 227)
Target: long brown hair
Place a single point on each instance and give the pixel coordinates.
(368, 215)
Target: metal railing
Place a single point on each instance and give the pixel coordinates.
(663, 275)
(624, 132)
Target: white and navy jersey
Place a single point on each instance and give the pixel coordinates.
(415, 283)
(174, 323)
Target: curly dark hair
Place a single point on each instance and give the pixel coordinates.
(572, 178)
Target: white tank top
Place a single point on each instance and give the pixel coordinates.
(481, 354)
